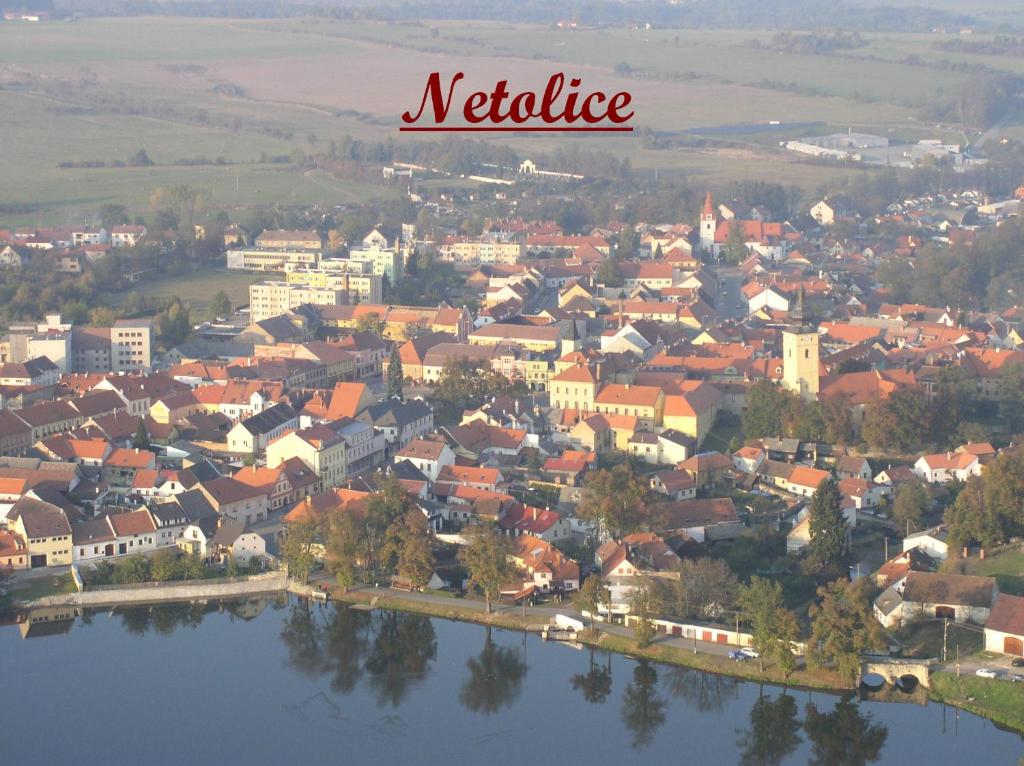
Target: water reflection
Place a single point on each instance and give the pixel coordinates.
(495, 678)
(845, 736)
(774, 731)
(400, 654)
(707, 692)
(596, 684)
(387, 683)
(392, 650)
(643, 709)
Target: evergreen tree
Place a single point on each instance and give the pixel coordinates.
(141, 438)
(396, 377)
(827, 527)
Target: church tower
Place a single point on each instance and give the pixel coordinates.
(572, 341)
(800, 367)
(708, 225)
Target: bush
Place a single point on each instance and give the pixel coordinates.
(133, 569)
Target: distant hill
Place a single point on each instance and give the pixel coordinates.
(859, 15)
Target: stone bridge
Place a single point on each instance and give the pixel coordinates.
(892, 670)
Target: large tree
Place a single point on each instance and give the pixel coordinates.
(910, 504)
(842, 627)
(407, 548)
(644, 606)
(345, 548)
(592, 594)
(706, 587)
(774, 629)
(299, 549)
(220, 306)
(485, 557)
(396, 377)
(612, 500)
(827, 548)
(899, 423)
(970, 518)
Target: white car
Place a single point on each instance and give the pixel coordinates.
(986, 673)
(750, 652)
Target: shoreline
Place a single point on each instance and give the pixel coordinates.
(966, 693)
(823, 681)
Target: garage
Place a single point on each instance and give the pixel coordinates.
(1004, 629)
(38, 560)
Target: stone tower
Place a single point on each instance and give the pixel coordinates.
(800, 366)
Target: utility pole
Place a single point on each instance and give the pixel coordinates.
(945, 631)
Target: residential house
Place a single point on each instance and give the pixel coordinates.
(45, 529)
(251, 436)
(231, 497)
(947, 466)
(428, 454)
(961, 598)
(545, 566)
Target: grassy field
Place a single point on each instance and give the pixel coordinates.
(1006, 565)
(1002, 701)
(247, 90)
(101, 89)
(197, 288)
(43, 586)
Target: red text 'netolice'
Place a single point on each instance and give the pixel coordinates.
(562, 107)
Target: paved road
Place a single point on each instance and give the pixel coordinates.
(730, 279)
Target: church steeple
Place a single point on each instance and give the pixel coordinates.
(708, 224)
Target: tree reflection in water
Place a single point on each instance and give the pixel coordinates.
(708, 692)
(774, 731)
(845, 736)
(403, 647)
(303, 637)
(596, 684)
(643, 710)
(392, 650)
(495, 678)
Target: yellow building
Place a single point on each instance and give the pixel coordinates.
(45, 530)
(320, 447)
(359, 287)
(574, 388)
(693, 411)
(271, 299)
(646, 403)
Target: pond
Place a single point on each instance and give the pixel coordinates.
(285, 682)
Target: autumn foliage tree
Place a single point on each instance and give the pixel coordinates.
(612, 500)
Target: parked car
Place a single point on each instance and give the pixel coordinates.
(1017, 678)
(986, 673)
(1018, 662)
(738, 655)
(750, 652)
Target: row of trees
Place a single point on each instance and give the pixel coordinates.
(905, 422)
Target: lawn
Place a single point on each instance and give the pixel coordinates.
(1002, 701)
(42, 586)
(1006, 565)
(197, 288)
(726, 427)
(924, 639)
